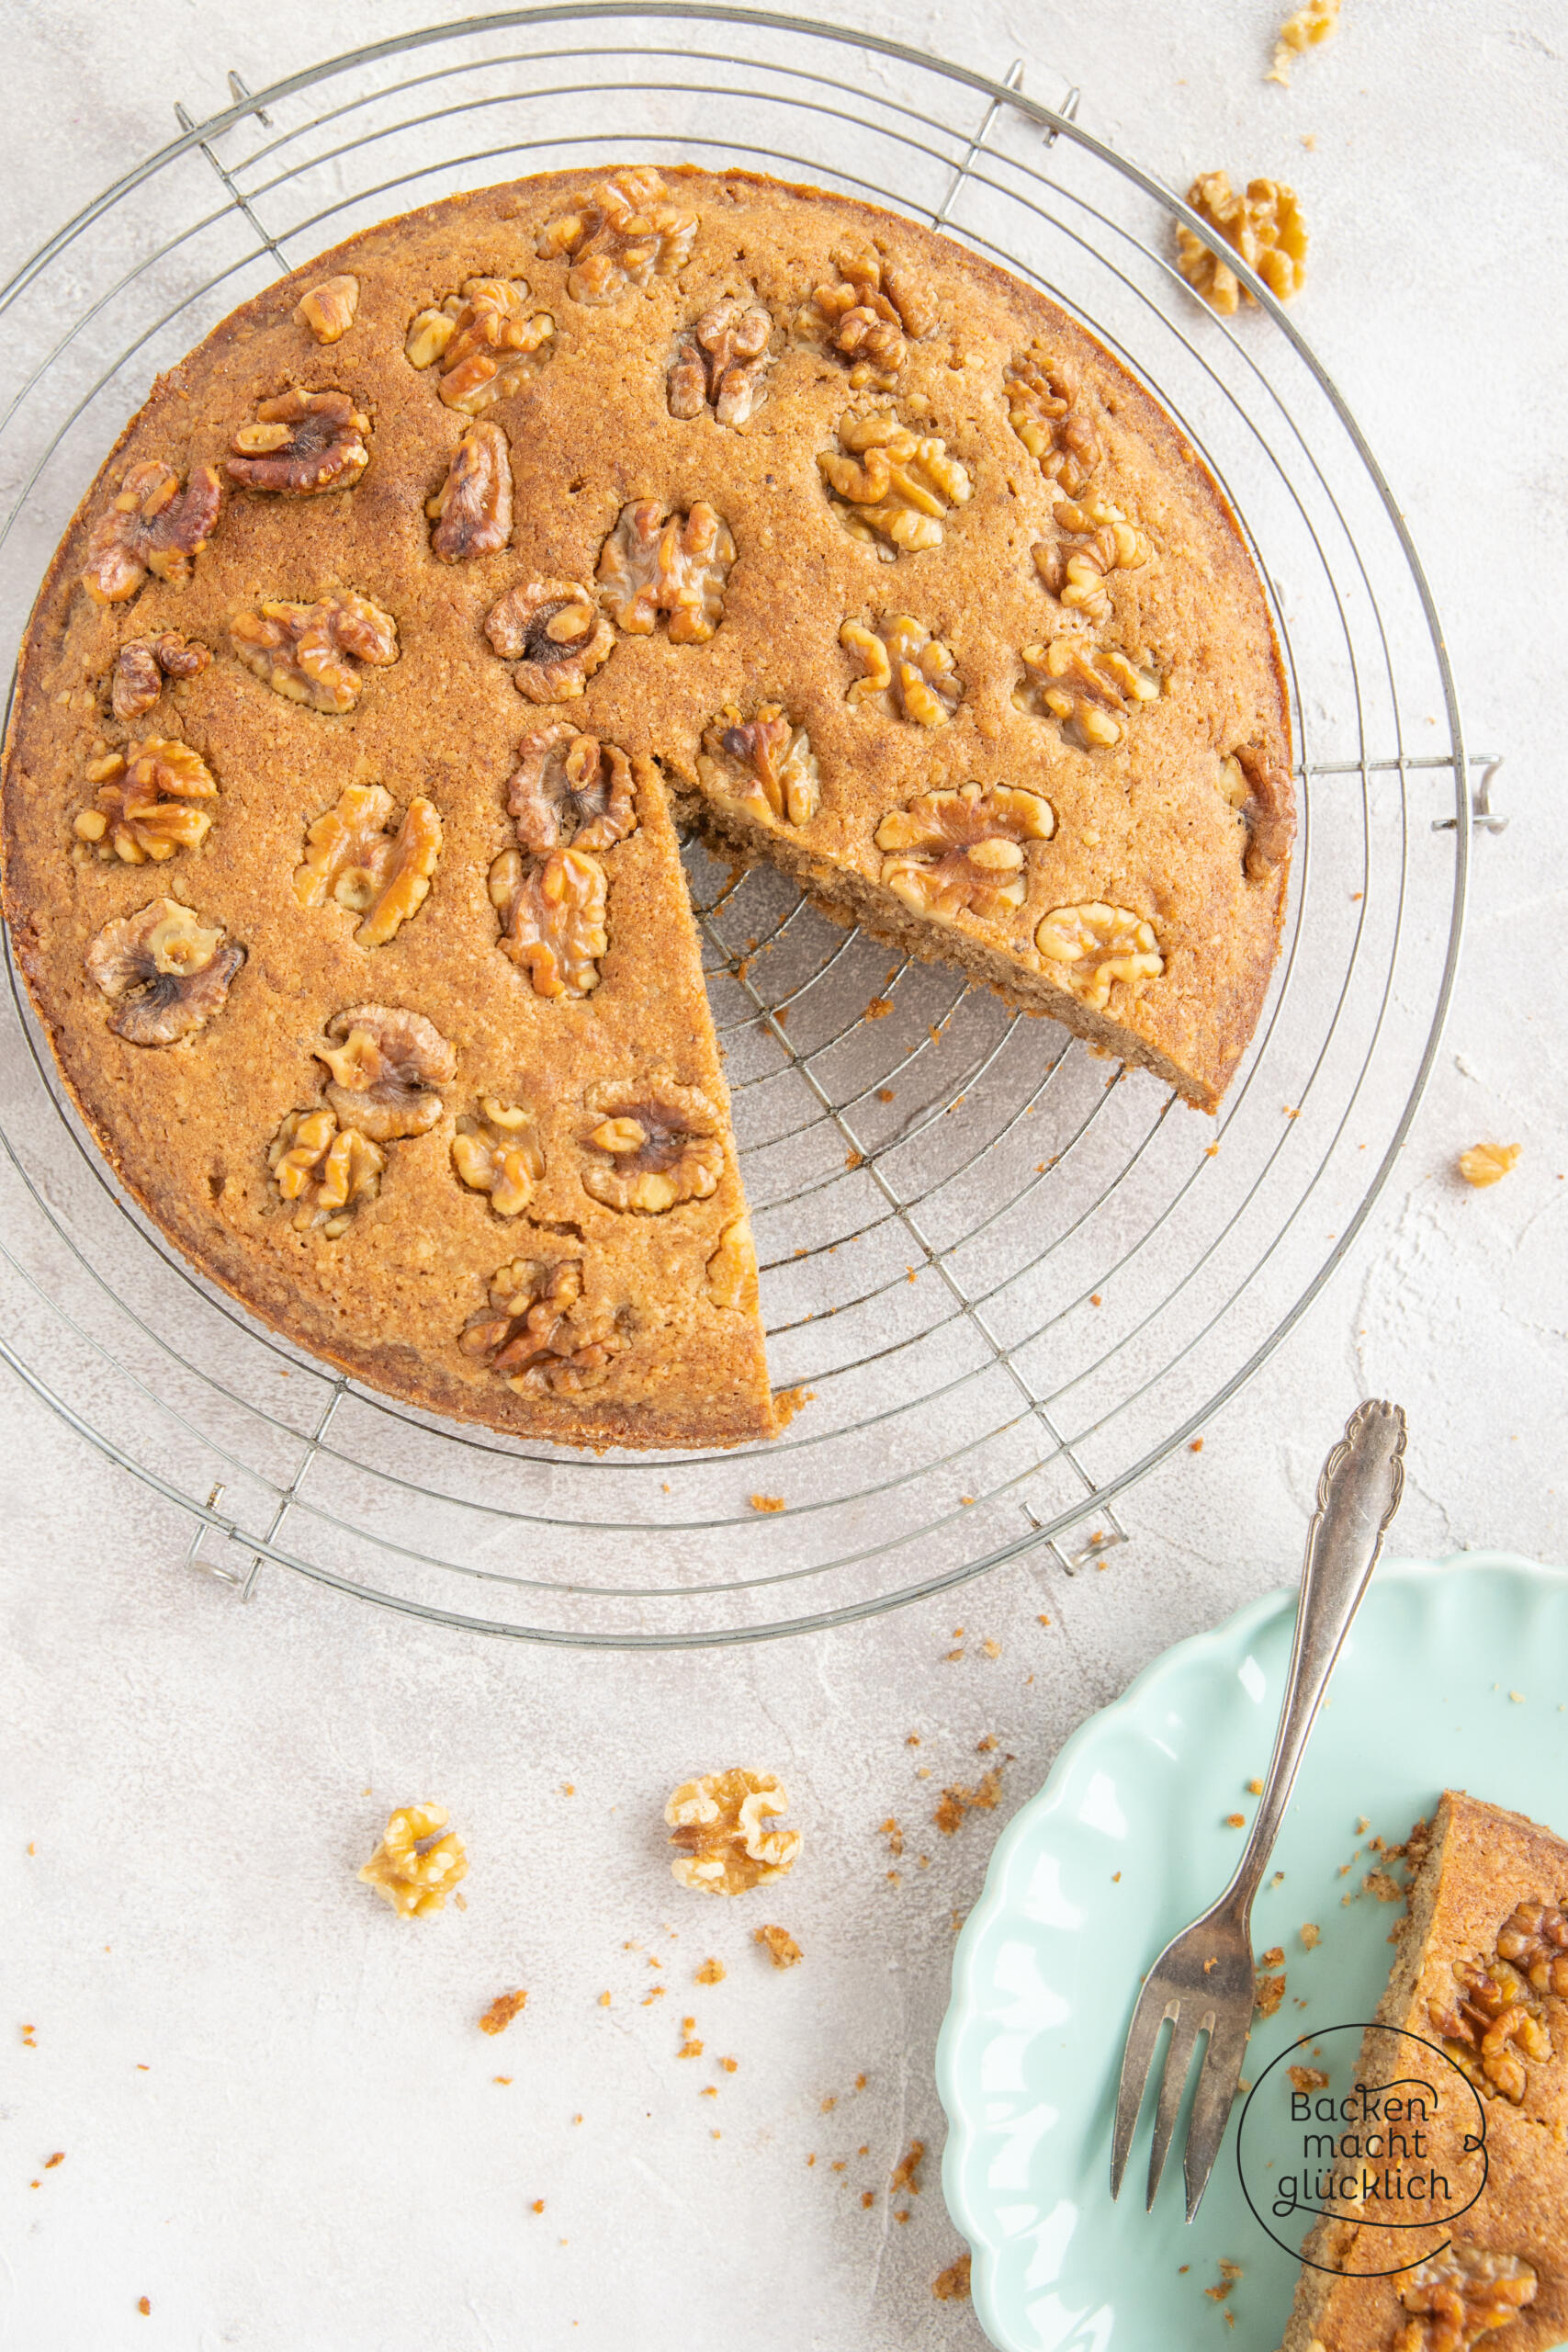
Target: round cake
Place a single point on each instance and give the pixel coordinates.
(420, 603)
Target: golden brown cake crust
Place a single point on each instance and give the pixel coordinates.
(1482, 1861)
(1145, 825)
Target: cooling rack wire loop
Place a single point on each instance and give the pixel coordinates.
(1006, 1278)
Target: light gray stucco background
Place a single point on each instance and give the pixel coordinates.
(279, 2122)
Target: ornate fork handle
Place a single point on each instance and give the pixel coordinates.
(1356, 1495)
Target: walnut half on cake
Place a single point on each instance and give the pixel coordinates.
(1482, 1973)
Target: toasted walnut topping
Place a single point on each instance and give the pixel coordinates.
(719, 363)
(571, 791)
(1093, 946)
(718, 1825)
(472, 510)
(732, 1275)
(1304, 29)
(556, 635)
(658, 1145)
(626, 234)
(1097, 540)
(325, 1170)
(1261, 793)
(964, 851)
(1460, 2295)
(779, 1945)
(763, 764)
(1488, 1163)
(1040, 397)
(153, 526)
(496, 1151)
(552, 919)
(650, 564)
(143, 805)
(902, 659)
(1497, 2002)
(1088, 688)
(1265, 227)
(329, 308)
(868, 314)
(415, 1866)
(353, 854)
(892, 487)
(313, 653)
(164, 971)
(387, 1067)
(141, 667)
(300, 444)
(486, 343)
(537, 1334)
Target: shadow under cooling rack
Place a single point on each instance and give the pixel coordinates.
(1001, 1277)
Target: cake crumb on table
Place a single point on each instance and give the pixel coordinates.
(501, 2011)
(780, 1946)
(907, 2171)
(1312, 1936)
(766, 1502)
(145, 2307)
(1229, 2273)
(1487, 1163)
(1309, 25)
(951, 2285)
(711, 1972)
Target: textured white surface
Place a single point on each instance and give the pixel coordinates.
(278, 2121)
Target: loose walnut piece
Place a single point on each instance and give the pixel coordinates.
(718, 1825)
(415, 1866)
(892, 487)
(1088, 688)
(142, 807)
(625, 234)
(1040, 397)
(658, 1145)
(329, 308)
(868, 314)
(1460, 2295)
(352, 854)
(552, 919)
(496, 1151)
(779, 1945)
(472, 510)
(301, 443)
(1487, 1163)
(537, 1335)
(386, 1067)
(313, 653)
(1264, 226)
(1304, 29)
(142, 664)
(730, 1278)
(1106, 542)
(153, 526)
(571, 791)
(765, 765)
(950, 853)
(325, 1170)
(1090, 947)
(555, 635)
(719, 363)
(902, 659)
(164, 971)
(487, 346)
(650, 565)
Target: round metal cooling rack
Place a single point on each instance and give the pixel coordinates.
(1001, 1277)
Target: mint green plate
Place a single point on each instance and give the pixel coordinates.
(1449, 1678)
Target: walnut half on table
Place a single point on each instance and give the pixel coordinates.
(718, 1824)
(416, 1866)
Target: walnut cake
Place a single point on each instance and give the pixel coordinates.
(420, 601)
(1483, 1974)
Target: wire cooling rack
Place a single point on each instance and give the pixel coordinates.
(1007, 1277)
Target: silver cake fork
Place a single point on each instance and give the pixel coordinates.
(1202, 1981)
